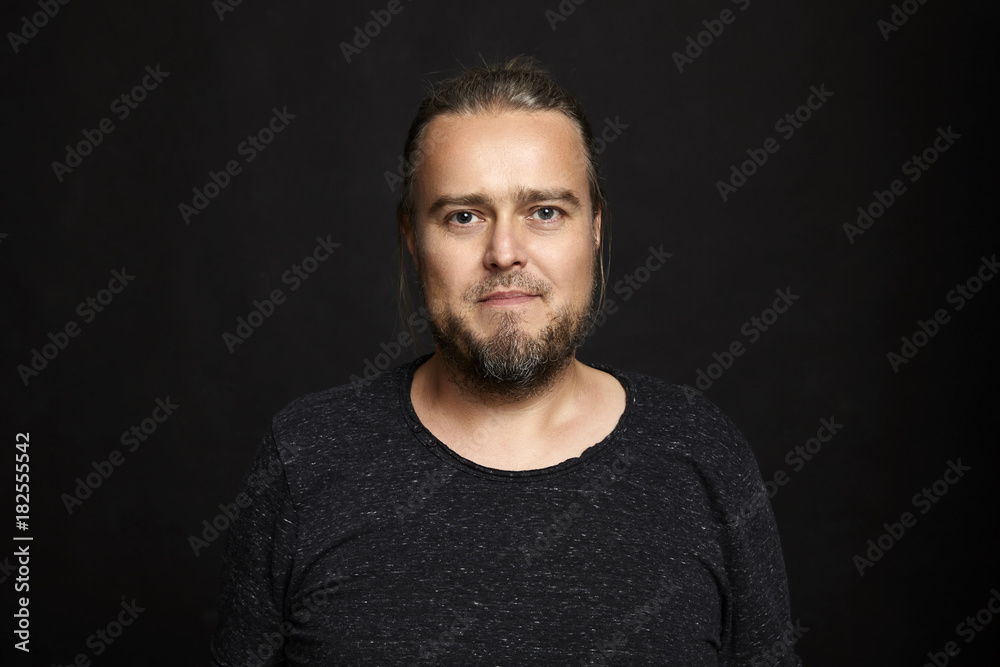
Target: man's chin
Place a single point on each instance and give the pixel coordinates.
(506, 325)
(507, 357)
(500, 375)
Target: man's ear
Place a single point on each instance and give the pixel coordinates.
(409, 234)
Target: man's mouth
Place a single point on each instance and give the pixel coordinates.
(507, 298)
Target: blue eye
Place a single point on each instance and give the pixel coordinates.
(463, 217)
(547, 213)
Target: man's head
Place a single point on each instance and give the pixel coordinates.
(503, 213)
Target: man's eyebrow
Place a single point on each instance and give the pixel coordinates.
(455, 201)
(520, 196)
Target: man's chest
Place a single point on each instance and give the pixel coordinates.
(577, 578)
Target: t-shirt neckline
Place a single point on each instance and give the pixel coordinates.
(446, 454)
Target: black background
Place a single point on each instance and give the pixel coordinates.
(325, 174)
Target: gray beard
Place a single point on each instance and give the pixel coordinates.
(510, 364)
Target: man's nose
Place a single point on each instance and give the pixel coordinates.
(506, 246)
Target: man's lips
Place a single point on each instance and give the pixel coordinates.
(507, 298)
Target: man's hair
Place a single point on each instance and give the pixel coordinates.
(520, 84)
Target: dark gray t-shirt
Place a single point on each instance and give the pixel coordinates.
(366, 541)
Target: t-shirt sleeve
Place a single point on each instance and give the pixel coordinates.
(256, 567)
(757, 616)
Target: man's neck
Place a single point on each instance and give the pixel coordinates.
(536, 431)
(447, 388)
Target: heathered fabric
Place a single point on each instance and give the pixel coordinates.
(369, 542)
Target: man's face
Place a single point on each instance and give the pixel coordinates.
(505, 245)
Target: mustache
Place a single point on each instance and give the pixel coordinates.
(516, 280)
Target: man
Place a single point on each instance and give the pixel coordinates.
(499, 502)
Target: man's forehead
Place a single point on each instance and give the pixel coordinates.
(509, 155)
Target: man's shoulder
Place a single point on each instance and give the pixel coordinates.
(664, 399)
(681, 415)
(337, 406)
(675, 420)
(653, 388)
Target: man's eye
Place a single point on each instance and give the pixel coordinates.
(463, 217)
(547, 213)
